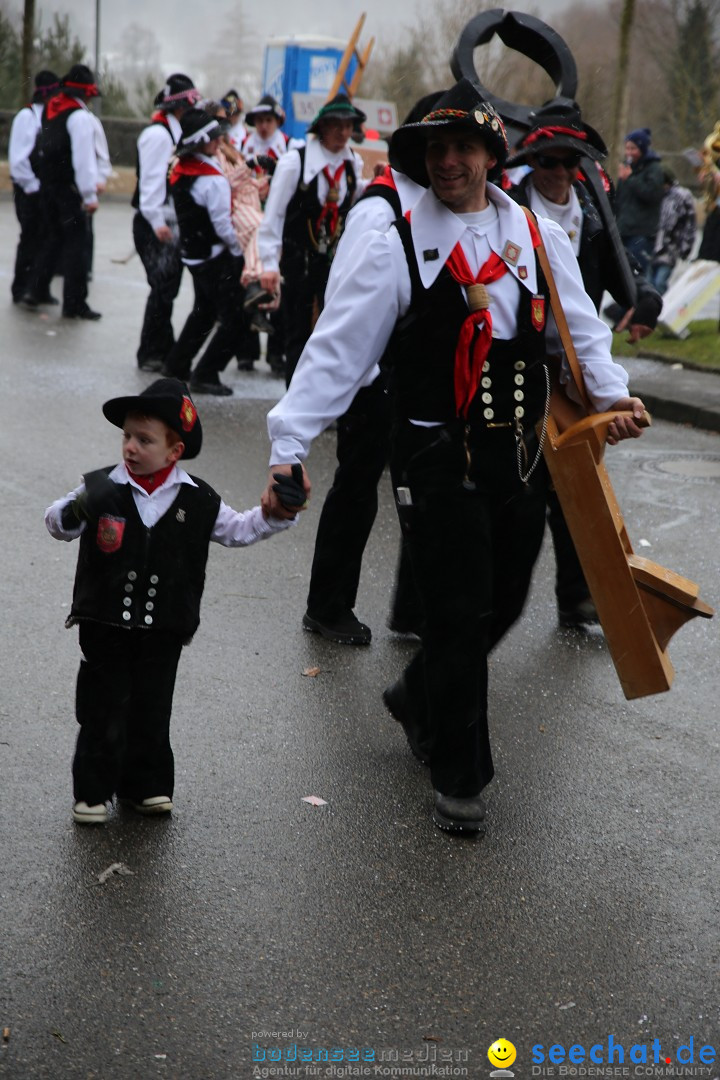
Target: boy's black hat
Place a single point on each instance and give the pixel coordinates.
(80, 81)
(339, 106)
(178, 92)
(266, 106)
(47, 83)
(198, 129)
(169, 401)
(558, 125)
(461, 107)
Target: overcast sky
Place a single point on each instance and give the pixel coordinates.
(186, 30)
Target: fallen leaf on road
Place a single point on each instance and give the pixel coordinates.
(314, 800)
(118, 868)
(567, 1005)
(311, 672)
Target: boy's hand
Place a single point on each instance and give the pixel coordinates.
(291, 479)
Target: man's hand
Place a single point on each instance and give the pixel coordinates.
(626, 427)
(164, 234)
(270, 281)
(636, 332)
(624, 171)
(90, 208)
(297, 480)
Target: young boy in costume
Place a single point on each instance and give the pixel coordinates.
(144, 527)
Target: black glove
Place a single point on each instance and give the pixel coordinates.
(101, 496)
(290, 489)
(267, 164)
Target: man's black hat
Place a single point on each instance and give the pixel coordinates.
(266, 106)
(558, 125)
(169, 401)
(198, 129)
(178, 91)
(47, 83)
(340, 106)
(80, 80)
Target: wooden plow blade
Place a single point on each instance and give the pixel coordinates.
(640, 604)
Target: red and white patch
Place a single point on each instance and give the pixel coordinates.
(511, 253)
(110, 533)
(537, 312)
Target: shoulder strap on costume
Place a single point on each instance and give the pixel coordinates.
(557, 310)
(402, 224)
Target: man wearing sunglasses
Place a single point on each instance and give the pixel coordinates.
(554, 148)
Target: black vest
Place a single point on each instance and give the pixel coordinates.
(51, 159)
(138, 578)
(135, 201)
(421, 354)
(300, 233)
(197, 234)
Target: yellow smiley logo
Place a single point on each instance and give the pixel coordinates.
(502, 1053)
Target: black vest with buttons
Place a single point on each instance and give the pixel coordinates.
(197, 234)
(139, 578)
(422, 355)
(300, 232)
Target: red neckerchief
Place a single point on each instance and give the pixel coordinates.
(159, 117)
(385, 179)
(154, 480)
(192, 166)
(61, 103)
(330, 211)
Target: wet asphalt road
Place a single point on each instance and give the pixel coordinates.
(590, 909)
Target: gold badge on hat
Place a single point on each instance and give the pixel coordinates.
(510, 253)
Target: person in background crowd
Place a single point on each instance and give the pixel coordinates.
(211, 252)
(676, 231)
(155, 223)
(640, 191)
(26, 194)
(313, 188)
(553, 147)
(233, 105)
(65, 160)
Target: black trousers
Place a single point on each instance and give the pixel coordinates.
(571, 588)
(163, 268)
(472, 550)
(303, 298)
(123, 703)
(65, 233)
(363, 440)
(218, 299)
(28, 211)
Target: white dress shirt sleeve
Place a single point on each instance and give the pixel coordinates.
(213, 192)
(81, 130)
(605, 380)
(102, 151)
(238, 528)
(348, 341)
(23, 133)
(53, 517)
(155, 148)
(284, 184)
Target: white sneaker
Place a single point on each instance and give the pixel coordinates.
(157, 804)
(90, 815)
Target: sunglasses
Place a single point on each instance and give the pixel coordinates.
(547, 161)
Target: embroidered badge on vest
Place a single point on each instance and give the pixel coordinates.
(537, 312)
(510, 253)
(110, 533)
(180, 516)
(522, 272)
(430, 254)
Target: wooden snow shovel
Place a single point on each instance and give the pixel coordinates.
(640, 604)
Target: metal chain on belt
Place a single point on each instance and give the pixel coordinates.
(519, 445)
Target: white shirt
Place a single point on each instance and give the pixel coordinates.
(284, 185)
(102, 151)
(23, 135)
(215, 195)
(81, 129)
(156, 146)
(568, 215)
(232, 528)
(375, 291)
(254, 145)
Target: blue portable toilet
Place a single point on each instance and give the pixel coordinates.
(305, 66)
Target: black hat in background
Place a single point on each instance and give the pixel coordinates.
(198, 129)
(80, 81)
(339, 106)
(47, 83)
(461, 107)
(233, 103)
(558, 125)
(169, 401)
(266, 106)
(179, 91)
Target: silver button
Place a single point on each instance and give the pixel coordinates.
(128, 588)
(127, 616)
(132, 576)
(149, 606)
(486, 382)
(519, 365)
(148, 620)
(519, 396)
(152, 592)
(519, 412)
(488, 414)
(519, 380)
(154, 579)
(487, 398)
(127, 602)
(486, 366)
